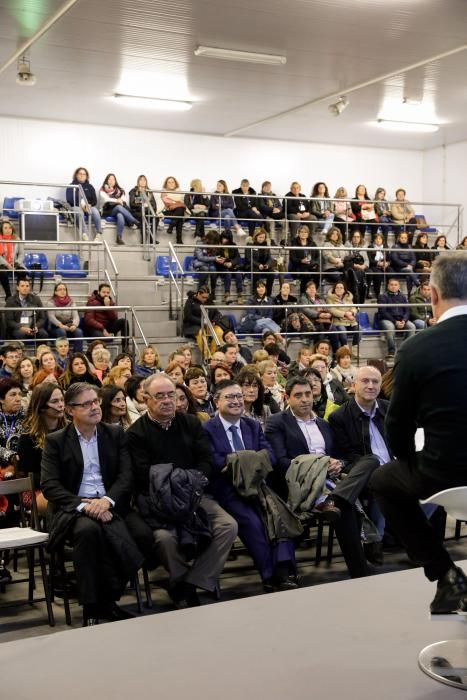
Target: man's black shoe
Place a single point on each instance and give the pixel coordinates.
(374, 552)
(291, 583)
(327, 510)
(452, 588)
(184, 595)
(114, 613)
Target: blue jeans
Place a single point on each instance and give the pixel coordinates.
(342, 335)
(95, 217)
(390, 333)
(77, 334)
(123, 217)
(229, 218)
(419, 324)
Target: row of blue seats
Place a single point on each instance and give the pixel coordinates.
(66, 264)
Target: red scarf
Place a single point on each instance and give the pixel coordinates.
(7, 249)
(58, 301)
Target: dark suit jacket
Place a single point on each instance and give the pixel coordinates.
(430, 391)
(288, 441)
(13, 317)
(62, 467)
(252, 434)
(351, 429)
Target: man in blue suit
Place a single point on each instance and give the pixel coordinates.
(231, 432)
(298, 431)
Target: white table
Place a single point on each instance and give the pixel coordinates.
(348, 640)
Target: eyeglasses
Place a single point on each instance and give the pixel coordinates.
(87, 404)
(252, 384)
(161, 395)
(233, 397)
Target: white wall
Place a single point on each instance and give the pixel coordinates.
(445, 179)
(50, 151)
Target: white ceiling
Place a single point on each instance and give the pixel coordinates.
(146, 47)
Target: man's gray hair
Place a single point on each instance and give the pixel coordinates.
(75, 390)
(149, 380)
(449, 275)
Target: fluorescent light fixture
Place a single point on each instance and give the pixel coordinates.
(395, 125)
(157, 103)
(245, 56)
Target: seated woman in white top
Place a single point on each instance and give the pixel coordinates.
(112, 198)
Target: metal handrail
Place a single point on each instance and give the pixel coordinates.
(107, 252)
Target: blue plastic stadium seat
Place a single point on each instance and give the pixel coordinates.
(31, 259)
(163, 266)
(9, 207)
(110, 219)
(376, 322)
(364, 323)
(68, 265)
(188, 267)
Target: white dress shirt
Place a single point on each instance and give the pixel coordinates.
(92, 484)
(312, 434)
(226, 425)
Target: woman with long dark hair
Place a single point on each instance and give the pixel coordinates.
(112, 198)
(113, 406)
(78, 369)
(87, 204)
(46, 413)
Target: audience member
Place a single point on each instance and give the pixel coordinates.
(259, 260)
(403, 260)
(197, 203)
(101, 363)
(218, 374)
(305, 257)
(246, 205)
(24, 374)
(379, 261)
(135, 404)
(356, 264)
(323, 406)
(142, 201)
(112, 199)
(403, 215)
(252, 388)
(195, 380)
(364, 211)
(358, 427)
(10, 256)
(244, 355)
(64, 319)
(113, 406)
(176, 373)
(298, 431)
(320, 318)
(185, 403)
(83, 200)
(394, 319)
(231, 433)
(321, 206)
(422, 316)
(45, 414)
(164, 436)
(86, 478)
(205, 256)
(149, 361)
(440, 245)
(117, 376)
(22, 321)
(343, 214)
(221, 207)
(62, 351)
(192, 320)
(269, 338)
(104, 322)
(123, 359)
(423, 254)
(344, 314)
(229, 262)
(334, 255)
(274, 396)
(335, 391)
(270, 207)
(298, 209)
(78, 370)
(383, 212)
(343, 370)
(49, 364)
(11, 360)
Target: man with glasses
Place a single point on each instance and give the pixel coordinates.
(230, 431)
(163, 436)
(86, 478)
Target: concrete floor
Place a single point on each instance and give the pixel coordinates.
(239, 580)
